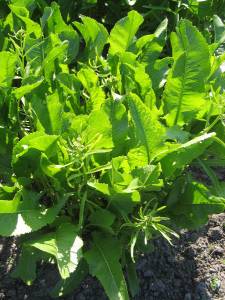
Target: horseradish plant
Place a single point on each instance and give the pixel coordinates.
(98, 132)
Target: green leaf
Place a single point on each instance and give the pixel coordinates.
(102, 218)
(10, 206)
(151, 48)
(219, 29)
(23, 3)
(98, 134)
(66, 286)
(190, 203)
(49, 112)
(26, 266)
(52, 22)
(22, 16)
(103, 259)
(182, 155)
(119, 120)
(57, 53)
(36, 50)
(95, 36)
(7, 66)
(132, 276)
(184, 96)
(65, 245)
(122, 34)
(89, 80)
(149, 132)
(28, 85)
(28, 220)
(37, 140)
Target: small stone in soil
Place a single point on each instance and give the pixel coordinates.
(218, 251)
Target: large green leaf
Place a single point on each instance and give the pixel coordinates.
(103, 259)
(95, 36)
(184, 96)
(149, 132)
(25, 220)
(122, 34)
(65, 245)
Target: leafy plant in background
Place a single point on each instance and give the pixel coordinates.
(98, 132)
(200, 12)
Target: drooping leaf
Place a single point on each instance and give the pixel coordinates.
(151, 49)
(89, 80)
(132, 277)
(98, 134)
(57, 53)
(28, 86)
(10, 206)
(118, 118)
(102, 218)
(94, 34)
(37, 140)
(27, 263)
(103, 260)
(65, 245)
(182, 155)
(66, 286)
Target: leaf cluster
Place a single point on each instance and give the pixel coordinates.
(98, 135)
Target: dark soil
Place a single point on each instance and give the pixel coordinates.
(192, 269)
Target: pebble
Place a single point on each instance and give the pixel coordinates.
(218, 251)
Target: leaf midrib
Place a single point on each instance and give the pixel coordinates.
(108, 266)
